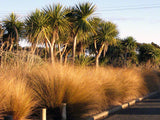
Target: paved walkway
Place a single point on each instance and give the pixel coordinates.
(149, 109)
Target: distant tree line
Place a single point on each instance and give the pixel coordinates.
(74, 35)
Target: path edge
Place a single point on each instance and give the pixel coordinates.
(105, 114)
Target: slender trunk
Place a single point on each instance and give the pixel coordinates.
(1, 54)
(37, 52)
(97, 61)
(95, 46)
(104, 53)
(33, 49)
(105, 50)
(64, 49)
(46, 50)
(7, 45)
(11, 46)
(10, 42)
(10, 49)
(55, 53)
(66, 57)
(2, 46)
(0, 60)
(74, 48)
(51, 45)
(53, 48)
(81, 49)
(34, 46)
(98, 55)
(1, 32)
(51, 54)
(61, 59)
(1, 38)
(17, 36)
(60, 53)
(46, 44)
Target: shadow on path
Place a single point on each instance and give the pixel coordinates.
(149, 109)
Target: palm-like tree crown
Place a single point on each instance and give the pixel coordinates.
(79, 17)
(12, 25)
(129, 43)
(84, 10)
(56, 18)
(107, 33)
(34, 24)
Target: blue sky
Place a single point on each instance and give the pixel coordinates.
(137, 18)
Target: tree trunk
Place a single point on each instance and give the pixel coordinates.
(1, 37)
(46, 44)
(17, 36)
(46, 50)
(51, 47)
(105, 50)
(7, 45)
(99, 54)
(2, 46)
(11, 46)
(74, 48)
(66, 57)
(61, 58)
(60, 53)
(33, 48)
(54, 49)
(97, 61)
(51, 54)
(81, 52)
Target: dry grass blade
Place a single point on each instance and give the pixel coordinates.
(19, 100)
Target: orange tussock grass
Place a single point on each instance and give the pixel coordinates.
(120, 85)
(20, 60)
(18, 100)
(84, 95)
(152, 80)
(48, 86)
(56, 84)
(86, 90)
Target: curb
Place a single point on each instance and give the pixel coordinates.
(105, 114)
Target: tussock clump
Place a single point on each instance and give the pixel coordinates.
(84, 95)
(131, 84)
(56, 84)
(121, 85)
(3, 91)
(152, 80)
(48, 85)
(19, 100)
(20, 60)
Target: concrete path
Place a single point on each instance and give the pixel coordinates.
(149, 109)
